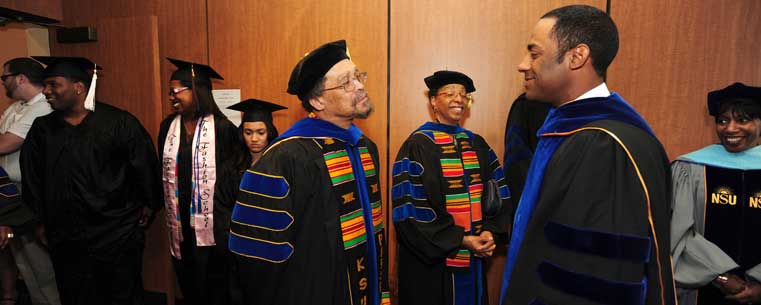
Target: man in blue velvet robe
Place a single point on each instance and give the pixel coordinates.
(592, 224)
(307, 227)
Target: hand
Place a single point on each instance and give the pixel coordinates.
(481, 245)
(487, 248)
(749, 295)
(146, 217)
(39, 232)
(729, 284)
(6, 234)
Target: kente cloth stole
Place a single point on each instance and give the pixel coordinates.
(204, 176)
(353, 223)
(462, 173)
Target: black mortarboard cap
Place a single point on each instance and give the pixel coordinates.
(444, 77)
(256, 110)
(78, 68)
(186, 69)
(313, 67)
(736, 90)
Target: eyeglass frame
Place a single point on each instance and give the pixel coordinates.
(350, 82)
(6, 76)
(175, 91)
(449, 94)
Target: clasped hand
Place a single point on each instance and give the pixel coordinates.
(481, 245)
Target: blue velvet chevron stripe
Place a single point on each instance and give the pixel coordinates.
(405, 165)
(267, 219)
(416, 191)
(408, 210)
(264, 185)
(614, 246)
(260, 249)
(504, 192)
(9, 190)
(592, 288)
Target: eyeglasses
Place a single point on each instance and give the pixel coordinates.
(454, 94)
(175, 91)
(6, 76)
(349, 85)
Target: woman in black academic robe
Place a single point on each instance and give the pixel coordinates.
(203, 272)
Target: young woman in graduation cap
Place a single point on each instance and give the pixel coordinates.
(256, 128)
(200, 154)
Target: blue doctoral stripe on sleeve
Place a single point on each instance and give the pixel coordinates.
(592, 288)
(274, 252)
(498, 174)
(504, 192)
(253, 216)
(405, 165)
(408, 210)
(265, 185)
(609, 245)
(9, 190)
(415, 191)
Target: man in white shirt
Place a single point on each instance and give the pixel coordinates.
(22, 79)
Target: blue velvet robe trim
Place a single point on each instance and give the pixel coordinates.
(261, 249)
(316, 128)
(608, 245)
(266, 185)
(450, 129)
(262, 218)
(9, 190)
(406, 166)
(409, 210)
(416, 191)
(566, 118)
(592, 288)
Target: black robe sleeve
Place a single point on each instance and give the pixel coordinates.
(430, 232)
(143, 164)
(292, 253)
(32, 166)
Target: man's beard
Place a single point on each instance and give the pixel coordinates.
(363, 115)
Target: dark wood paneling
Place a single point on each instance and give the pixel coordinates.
(256, 48)
(46, 8)
(182, 35)
(673, 52)
(483, 39)
(127, 49)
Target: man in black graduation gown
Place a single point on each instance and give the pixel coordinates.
(592, 225)
(91, 174)
(308, 225)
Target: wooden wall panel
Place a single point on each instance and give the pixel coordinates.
(256, 48)
(182, 35)
(14, 36)
(46, 8)
(483, 39)
(673, 52)
(128, 51)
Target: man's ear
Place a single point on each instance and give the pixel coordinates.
(317, 104)
(79, 88)
(579, 56)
